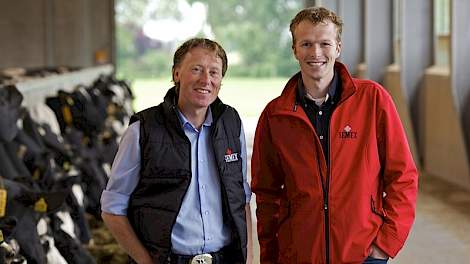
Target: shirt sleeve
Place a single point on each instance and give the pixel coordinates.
(125, 173)
(246, 185)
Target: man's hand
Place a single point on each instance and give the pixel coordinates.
(377, 253)
(249, 259)
(124, 234)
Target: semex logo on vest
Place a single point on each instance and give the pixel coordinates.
(229, 156)
(347, 133)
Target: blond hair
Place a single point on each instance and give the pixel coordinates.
(317, 15)
(198, 43)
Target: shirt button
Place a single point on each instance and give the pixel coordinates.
(321, 137)
(206, 212)
(203, 186)
(320, 112)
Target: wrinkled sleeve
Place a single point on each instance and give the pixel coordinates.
(400, 179)
(267, 182)
(124, 173)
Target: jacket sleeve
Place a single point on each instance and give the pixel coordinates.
(267, 181)
(400, 179)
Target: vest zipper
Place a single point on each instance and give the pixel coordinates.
(225, 198)
(187, 186)
(224, 190)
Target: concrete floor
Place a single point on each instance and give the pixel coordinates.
(441, 232)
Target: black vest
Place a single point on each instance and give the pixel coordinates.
(166, 173)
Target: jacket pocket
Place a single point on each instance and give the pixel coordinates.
(377, 209)
(287, 252)
(284, 211)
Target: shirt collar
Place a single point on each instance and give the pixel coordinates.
(184, 121)
(332, 89)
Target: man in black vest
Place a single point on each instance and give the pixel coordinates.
(178, 191)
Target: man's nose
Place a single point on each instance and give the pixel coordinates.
(315, 50)
(205, 77)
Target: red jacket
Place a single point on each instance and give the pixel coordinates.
(369, 191)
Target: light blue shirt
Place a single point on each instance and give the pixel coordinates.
(199, 226)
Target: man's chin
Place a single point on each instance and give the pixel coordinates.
(313, 75)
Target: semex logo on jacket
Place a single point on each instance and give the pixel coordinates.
(230, 156)
(348, 133)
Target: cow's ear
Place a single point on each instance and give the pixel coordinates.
(27, 197)
(7, 225)
(14, 96)
(54, 200)
(67, 182)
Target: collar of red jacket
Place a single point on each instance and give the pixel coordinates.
(288, 98)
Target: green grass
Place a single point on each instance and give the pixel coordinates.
(248, 95)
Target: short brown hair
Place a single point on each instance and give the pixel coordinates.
(199, 43)
(317, 15)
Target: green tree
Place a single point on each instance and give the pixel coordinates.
(130, 19)
(258, 31)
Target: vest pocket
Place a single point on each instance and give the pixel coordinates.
(154, 226)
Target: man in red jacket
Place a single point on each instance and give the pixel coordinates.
(334, 178)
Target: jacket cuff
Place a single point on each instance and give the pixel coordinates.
(388, 243)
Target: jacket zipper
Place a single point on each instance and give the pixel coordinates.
(327, 220)
(325, 188)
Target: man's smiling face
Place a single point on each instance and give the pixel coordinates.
(316, 48)
(199, 76)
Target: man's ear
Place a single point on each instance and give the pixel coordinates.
(176, 75)
(294, 51)
(338, 49)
